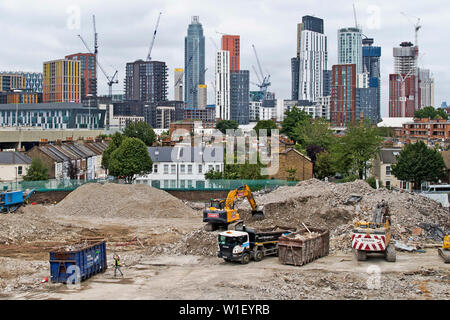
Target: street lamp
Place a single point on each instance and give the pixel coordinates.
(17, 107)
(89, 95)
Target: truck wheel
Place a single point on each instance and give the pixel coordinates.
(258, 255)
(390, 254)
(245, 258)
(360, 255)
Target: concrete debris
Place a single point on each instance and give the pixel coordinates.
(403, 247)
(433, 231)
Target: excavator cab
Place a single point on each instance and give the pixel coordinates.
(221, 213)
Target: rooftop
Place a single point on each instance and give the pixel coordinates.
(14, 157)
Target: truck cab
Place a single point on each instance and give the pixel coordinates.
(234, 245)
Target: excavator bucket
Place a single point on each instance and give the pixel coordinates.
(259, 213)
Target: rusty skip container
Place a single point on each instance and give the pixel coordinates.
(301, 247)
(77, 262)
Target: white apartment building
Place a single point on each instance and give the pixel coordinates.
(254, 109)
(350, 47)
(182, 166)
(313, 61)
(223, 110)
(323, 105)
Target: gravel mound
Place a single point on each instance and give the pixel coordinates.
(122, 200)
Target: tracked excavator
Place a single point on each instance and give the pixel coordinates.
(444, 252)
(221, 213)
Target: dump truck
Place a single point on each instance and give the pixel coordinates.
(245, 243)
(10, 201)
(221, 213)
(374, 236)
(444, 252)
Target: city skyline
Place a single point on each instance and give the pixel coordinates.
(125, 32)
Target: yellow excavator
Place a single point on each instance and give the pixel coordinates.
(221, 213)
(444, 252)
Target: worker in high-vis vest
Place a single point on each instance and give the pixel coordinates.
(117, 264)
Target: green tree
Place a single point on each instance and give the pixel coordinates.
(129, 159)
(140, 130)
(360, 144)
(316, 132)
(36, 171)
(223, 125)
(116, 140)
(431, 112)
(292, 119)
(324, 165)
(417, 163)
(265, 124)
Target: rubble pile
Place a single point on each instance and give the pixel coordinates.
(337, 206)
(122, 200)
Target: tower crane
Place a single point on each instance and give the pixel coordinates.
(111, 80)
(214, 43)
(149, 58)
(265, 83)
(95, 36)
(417, 27)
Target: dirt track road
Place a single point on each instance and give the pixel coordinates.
(413, 276)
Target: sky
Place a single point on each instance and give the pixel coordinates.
(34, 31)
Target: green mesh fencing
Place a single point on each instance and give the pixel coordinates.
(208, 185)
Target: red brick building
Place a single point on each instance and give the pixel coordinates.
(343, 94)
(232, 44)
(402, 105)
(424, 129)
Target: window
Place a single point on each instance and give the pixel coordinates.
(388, 184)
(210, 167)
(173, 183)
(217, 167)
(182, 183)
(189, 168)
(182, 169)
(388, 170)
(166, 169)
(200, 168)
(166, 183)
(19, 170)
(155, 168)
(189, 183)
(173, 169)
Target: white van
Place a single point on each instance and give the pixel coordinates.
(439, 188)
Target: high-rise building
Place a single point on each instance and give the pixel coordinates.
(350, 47)
(295, 76)
(239, 96)
(404, 91)
(194, 62)
(159, 115)
(146, 81)
(313, 59)
(62, 81)
(223, 85)
(178, 84)
(202, 96)
(232, 43)
(371, 65)
(88, 69)
(11, 81)
(33, 80)
(343, 94)
(326, 91)
(426, 87)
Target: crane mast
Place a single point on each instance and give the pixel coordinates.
(149, 58)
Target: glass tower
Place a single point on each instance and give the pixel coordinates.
(194, 62)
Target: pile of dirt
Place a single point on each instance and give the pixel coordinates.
(27, 224)
(322, 204)
(112, 200)
(197, 243)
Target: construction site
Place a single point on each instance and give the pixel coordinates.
(166, 252)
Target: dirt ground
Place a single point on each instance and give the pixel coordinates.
(162, 257)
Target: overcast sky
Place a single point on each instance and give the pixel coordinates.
(34, 31)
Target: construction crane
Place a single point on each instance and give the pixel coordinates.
(354, 15)
(149, 58)
(111, 80)
(95, 36)
(265, 83)
(417, 27)
(188, 64)
(214, 43)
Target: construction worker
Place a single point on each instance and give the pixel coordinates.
(117, 264)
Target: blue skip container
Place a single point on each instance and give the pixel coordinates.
(79, 261)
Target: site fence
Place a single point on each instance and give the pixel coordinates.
(207, 185)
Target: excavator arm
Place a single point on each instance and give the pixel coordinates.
(244, 191)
